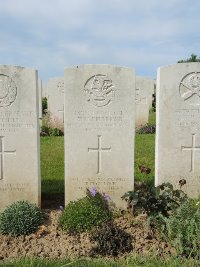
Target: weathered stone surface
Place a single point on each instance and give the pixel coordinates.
(55, 91)
(19, 136)
(99, 129)
(40, 98)
(144, 89)
(178, 126)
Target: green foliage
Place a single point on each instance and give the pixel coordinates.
(20, 218)
(147, 129)
(87, 212)
(49, 128)
(110, 240)
(51, 125)
(136, 260)
(55, 132)
(44, 105)
(44, 130)
(154, 102)
(182, 228)
(193, 58)
(154, 200)
(48, 131)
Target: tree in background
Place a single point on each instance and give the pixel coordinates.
(193, 58)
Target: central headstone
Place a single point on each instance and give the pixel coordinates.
(19, 136)
(99, 128)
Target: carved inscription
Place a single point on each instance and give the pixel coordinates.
(187, 119)
(192, 149)
(99, 149)
(18, 187)
(12, 121)
(139, 100)
(190, 88)
(3, 153)
(99, 90)
(8, 90)
(98, 120)
(106, 184)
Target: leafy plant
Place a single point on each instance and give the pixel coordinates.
(44, 105)
(44, 130)
(55, 132)
(20, 218)
(193, 58)
(154, 102)
(147, 129)
(182, 228)
(153, 200)
(110, 240)
(85, 213)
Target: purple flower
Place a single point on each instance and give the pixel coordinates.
(93, 191)
(106, 197)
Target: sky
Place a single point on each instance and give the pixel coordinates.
(50, 35)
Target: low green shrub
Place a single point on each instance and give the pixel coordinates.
(85, 213)
(147, 129)
(110, 240)
(182, 228)
(44, 130)
(154, 200)
(55, 132)
(20, 218)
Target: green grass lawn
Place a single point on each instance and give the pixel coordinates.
(52, 165)
(145, 261)
(145, 156)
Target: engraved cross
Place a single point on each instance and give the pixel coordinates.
(193, 148)
(99, 149)
(3, 152)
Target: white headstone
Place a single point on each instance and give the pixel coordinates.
(178, 126)
(143, 100)
(99, 126)
(55, 88)
(19, 136)
(40, 98)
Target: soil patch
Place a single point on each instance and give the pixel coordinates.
(51, 242)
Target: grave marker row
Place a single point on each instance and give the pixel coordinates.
(99, 118)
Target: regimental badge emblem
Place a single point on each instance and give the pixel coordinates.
(99, 90)
(190, 88)
(8, 91)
